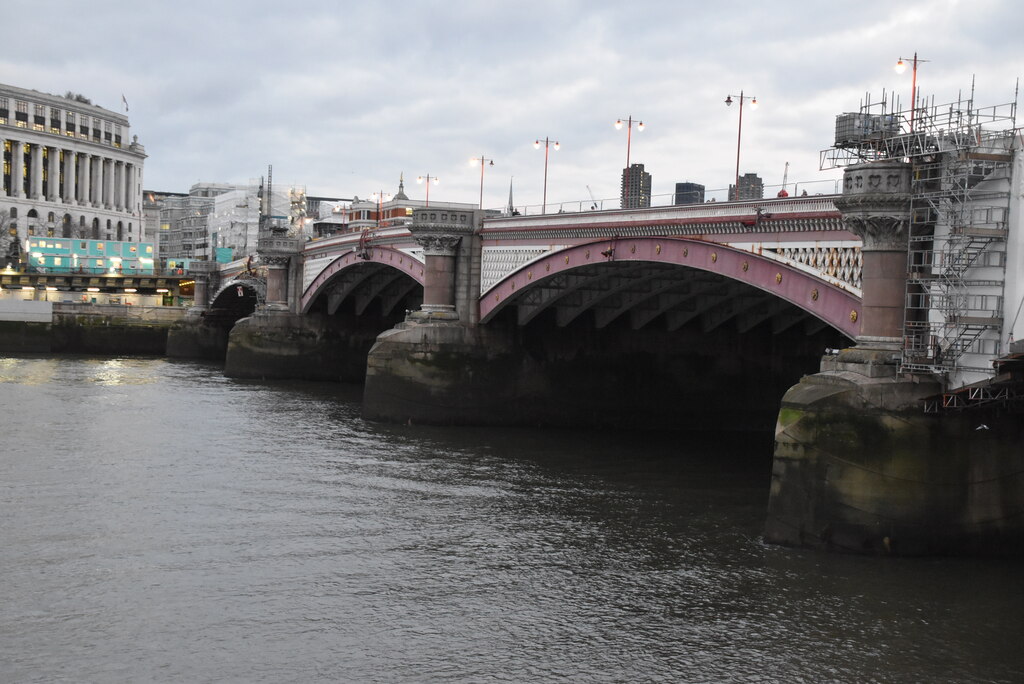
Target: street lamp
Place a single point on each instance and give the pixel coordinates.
(536, 145)
(380, 197)
(629, 136)
(426, 179)
(739, 134)
(483, 161)
(900, 67)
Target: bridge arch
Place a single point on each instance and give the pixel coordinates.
(385, 274)
(236, 299)
(644, 276)
(252, 289)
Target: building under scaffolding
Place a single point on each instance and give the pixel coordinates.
(964, 270)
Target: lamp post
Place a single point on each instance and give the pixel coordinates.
(739, 134)
(381, 198)
(536, 145)
(483, 161)
(426, 179)
(629, 137)
(900, 67)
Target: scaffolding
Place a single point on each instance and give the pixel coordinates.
(961, 158)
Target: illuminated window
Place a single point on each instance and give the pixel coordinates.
(99, 262)
(149, 249)
(56, 261)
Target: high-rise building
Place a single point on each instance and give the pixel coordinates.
(636, 187)
(751, 187)
(689, 193)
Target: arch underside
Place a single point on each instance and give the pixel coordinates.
(361, 284)
(254, 288)
(671, 283)
(236, 299)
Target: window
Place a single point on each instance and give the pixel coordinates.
(21, 114)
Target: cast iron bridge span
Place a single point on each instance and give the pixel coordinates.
(787, 260)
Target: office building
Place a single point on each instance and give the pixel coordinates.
(636, 187)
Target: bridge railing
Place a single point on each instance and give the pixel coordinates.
(828, 186)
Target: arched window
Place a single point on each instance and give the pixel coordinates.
(95, 229)
(65, 231)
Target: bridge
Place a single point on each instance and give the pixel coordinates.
(877, 330)
(789, 260)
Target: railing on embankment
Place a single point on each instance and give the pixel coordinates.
(115, 314)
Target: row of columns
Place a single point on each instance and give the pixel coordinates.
(88, 179)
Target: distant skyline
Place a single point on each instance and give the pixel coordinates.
(342, 98)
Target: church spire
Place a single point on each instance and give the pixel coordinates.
(510, 210)
(400, 195)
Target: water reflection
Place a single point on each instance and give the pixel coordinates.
(177, 525)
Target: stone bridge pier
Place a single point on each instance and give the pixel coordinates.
(858, 466)
(439, 366)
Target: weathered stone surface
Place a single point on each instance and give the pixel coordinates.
(194, 340)
(287, 346)
(859, 467)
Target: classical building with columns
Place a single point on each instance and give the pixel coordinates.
(71, 169)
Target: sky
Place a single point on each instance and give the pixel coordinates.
(344, 97)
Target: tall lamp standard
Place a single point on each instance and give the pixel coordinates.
(629, 136)
(381, 197)
(900, 67)
(739, 134)
(536, 145)
(483, 161)
(426, 179)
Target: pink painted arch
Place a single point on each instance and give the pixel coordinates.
(831, 303)
(386, 256)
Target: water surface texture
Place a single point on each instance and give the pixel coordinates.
(163, 523)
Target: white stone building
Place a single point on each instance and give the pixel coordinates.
(71, 169)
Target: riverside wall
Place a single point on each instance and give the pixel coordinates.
(44, 327)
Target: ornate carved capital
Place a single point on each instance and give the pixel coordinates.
(278, 261)
(437, 244)
(879, 233)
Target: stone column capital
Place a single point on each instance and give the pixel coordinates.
(437, 244)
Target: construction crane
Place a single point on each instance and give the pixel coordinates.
(785, 177)
(593, 206)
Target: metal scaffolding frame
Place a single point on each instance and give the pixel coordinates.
(960, 158)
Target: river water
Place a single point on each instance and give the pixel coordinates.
(163, 523)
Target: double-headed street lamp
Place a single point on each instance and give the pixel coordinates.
(536, 145)
(900, 68)
(629, 136)
(427, 179)
(483, 161)
(380, 197)
(739, 134)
